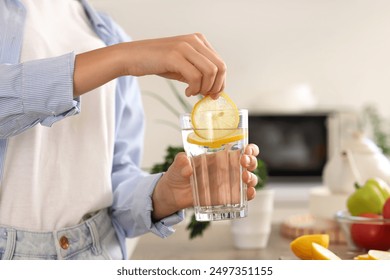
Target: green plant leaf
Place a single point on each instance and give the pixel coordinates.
(171, 152)
(262, 174)
(381, 136)
(196, 228)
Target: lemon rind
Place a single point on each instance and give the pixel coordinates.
(214, 143)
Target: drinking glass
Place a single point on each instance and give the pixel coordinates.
(218, 190)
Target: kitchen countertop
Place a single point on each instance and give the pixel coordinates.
(217, 244)
(291, 198)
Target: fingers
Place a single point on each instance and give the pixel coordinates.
(198, 71)
(188, 58)
(249, 158)
(249, 178)
(208, 51)
(208, 70)
(210, 73)
(249, 161)
(251, 193)
(252, 149)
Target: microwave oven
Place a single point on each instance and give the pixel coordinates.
(298, 144)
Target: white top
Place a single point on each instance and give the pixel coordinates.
(66, 168)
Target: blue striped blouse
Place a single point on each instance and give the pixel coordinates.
(39, 92)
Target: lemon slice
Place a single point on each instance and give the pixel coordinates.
(362, 257)
(378, 255)
(193, 138)
(319, 252)
(215, 119)
(302, 248)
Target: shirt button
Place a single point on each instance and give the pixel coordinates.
(64, 242)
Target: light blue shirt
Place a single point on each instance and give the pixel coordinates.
(40, 92)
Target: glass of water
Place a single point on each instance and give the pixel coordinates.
(218, 190)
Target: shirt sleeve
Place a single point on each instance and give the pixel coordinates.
(36, 92)
(133, 188)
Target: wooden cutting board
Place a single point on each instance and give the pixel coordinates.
(298, 225)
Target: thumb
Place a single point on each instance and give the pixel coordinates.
(183, 164)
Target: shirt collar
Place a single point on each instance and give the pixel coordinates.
(98, 23)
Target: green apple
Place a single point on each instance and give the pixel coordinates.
(369, 198)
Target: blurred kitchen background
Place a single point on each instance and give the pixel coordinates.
(305, 69)
(285, 59)
(282, 55)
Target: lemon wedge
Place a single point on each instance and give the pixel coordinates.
(193, 138)
(302, 245)
(215, 119)
(362, 257)
(319, 252)
(378, 255)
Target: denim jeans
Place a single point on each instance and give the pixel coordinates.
(93, 239)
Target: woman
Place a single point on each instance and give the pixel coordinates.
(71, 128)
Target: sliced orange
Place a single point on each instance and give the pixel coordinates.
(302, 248)
(215, 119)
(319, 252)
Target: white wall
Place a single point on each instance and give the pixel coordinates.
(340, 48)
